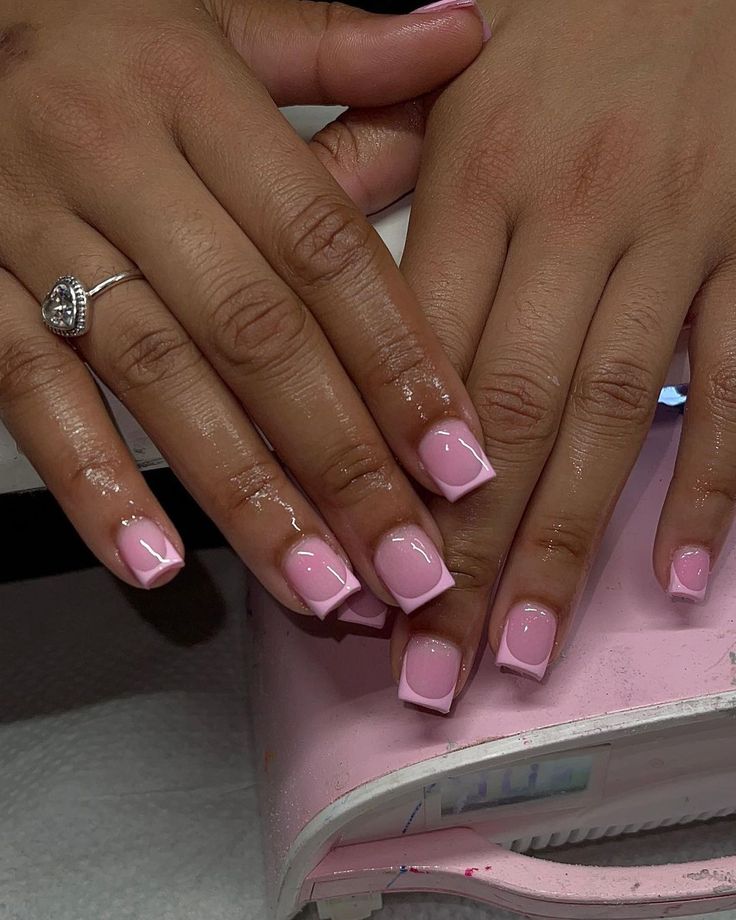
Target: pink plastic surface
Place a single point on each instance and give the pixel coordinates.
(459, 860)
(327, 713)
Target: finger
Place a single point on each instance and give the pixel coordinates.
(374, 154)
(52, 407)
(331, 53)
(433, 653)
(699, 507)
(331, 257)
(147, 359)
(480, 227)
(274, 358)
(613, 396)
(519, 381)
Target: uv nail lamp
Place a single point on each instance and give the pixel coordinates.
(634, 729)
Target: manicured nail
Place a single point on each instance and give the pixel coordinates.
(528, 639)
(365, 609)
(319, 576)
(429, 672)
(144, 548)
(411, 567)
(457, 5)
(689, 573)
(455, 460)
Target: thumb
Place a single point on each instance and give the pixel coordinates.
(314, 53)
(374, 154)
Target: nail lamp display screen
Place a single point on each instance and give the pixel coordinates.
(516, 784)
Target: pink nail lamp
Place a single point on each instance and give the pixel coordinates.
(634, 728)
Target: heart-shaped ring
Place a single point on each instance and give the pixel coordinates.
(65, 309)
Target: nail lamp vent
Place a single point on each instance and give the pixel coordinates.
(633, 729)
(581, 834)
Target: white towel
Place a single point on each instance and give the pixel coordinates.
(127, 781)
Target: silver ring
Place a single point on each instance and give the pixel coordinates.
(65, 309)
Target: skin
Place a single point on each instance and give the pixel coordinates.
(576, 205)
(268, 300)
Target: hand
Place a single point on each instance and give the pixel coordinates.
(146, 133)
(577, 199)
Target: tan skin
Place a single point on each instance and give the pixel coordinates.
(146, 132)
(576, 202)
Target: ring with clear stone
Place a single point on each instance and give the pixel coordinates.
(65, 309)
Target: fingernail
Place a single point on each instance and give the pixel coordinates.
(365, 609)
(689, 573)
(429, 672)
(411, 567)
(457, 5)
(528, 639)
(146, 551)
(319, 576)
(455, 460)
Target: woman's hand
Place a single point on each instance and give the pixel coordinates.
(576, 201)
(139, 133)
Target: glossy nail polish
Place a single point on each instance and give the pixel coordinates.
(452, 456)
(319, 576)
(441, 5)
(528, 639)
(363, 609)
(411, 567)
(689, 573)
(147, 552)
(429, 672)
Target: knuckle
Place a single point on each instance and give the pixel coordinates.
(397, 360)
(149, 356)
(337, 143)
(517, 407)
(562, 541)
(30, 365)
(170, 57)
(17, 45)
(614, 393)
(245, 487)
(326, 240)
(96, 465)
(473, 562)
(601, 162)
(74, 120)
(719, 488)
(486, 160)
(720, 392)
(355, 473)
(254, 325)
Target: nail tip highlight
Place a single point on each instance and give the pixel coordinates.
(407, 695)
(171, 563)
(689, 573)
(509, 663)
(533, 628)
(455, 493)
(410, 604)
(323, 609)
(677, 591)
